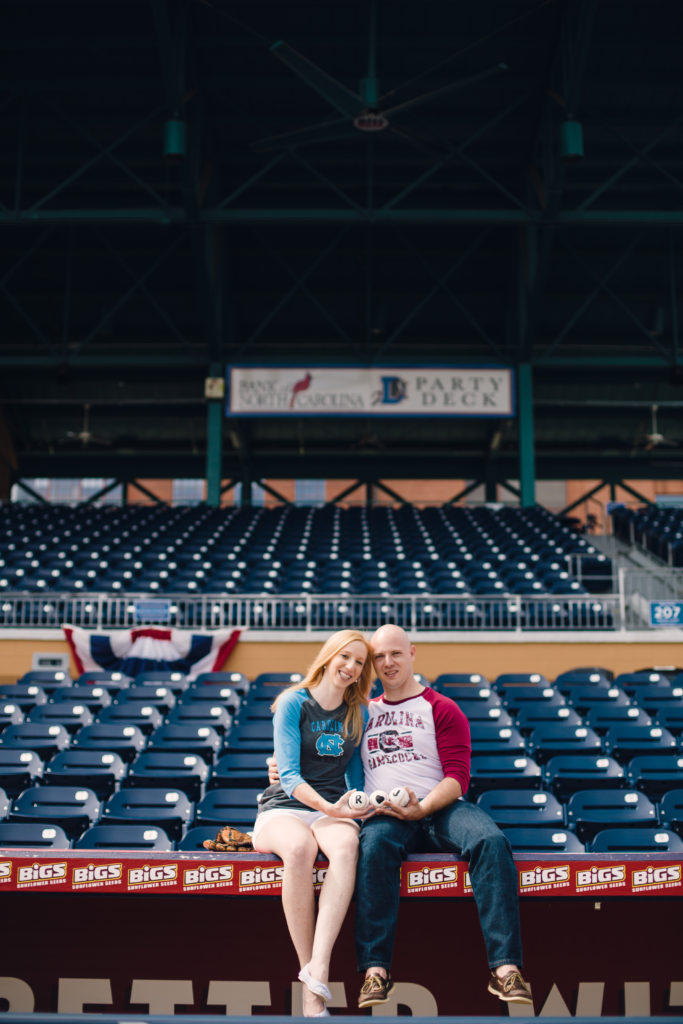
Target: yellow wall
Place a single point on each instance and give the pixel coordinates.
(488, 658)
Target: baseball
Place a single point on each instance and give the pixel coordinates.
(358, 800)
(399, 796)
(378, 798)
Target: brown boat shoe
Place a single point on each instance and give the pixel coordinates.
(511, 988)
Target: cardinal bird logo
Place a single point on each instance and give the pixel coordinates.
(300, 385)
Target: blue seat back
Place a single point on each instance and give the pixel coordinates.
(543, 839)
(74, 808)
(125, 837)
(591, 810)
(636, 840)
(32, 835)
(522, 807)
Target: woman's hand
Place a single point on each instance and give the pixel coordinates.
(342, 808)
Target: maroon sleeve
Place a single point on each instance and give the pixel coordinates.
(452, 737)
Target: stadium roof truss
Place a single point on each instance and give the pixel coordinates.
(191, 184)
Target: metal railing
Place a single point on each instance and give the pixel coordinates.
(509, 613)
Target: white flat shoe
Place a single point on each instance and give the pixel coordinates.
(318, 988)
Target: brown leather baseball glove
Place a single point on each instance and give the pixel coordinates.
(229, 840)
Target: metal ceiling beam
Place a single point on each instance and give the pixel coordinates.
(502, 217)
(265, 464)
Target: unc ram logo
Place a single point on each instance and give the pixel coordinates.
(330, 745)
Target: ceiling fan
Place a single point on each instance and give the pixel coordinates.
(655, 439)
(85, 435)
(365, 112)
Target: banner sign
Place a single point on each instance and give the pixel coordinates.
(376, 391)
(236, 875)
(666, 613)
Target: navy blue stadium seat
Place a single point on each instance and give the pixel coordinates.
(659, 695)
(503, 771)
(636, 840)
(189, 739)
(277, 678)
(522, 808)
(544, 839)
(72, 808)
(591, 810)
(125, 837)
(546, 741)
(633, 682)
(124, 740)
(239, 768)
(19, 769)
(671, 810)
(471, 696)
(586, 698)
(654, 774)
(113, 682)
(459, 679)
(235, 680)
(72, 716)
(170, 770)
(48, 679)
(198, 714)
(5, 802)
(671, 718)
(536, 713)
(627, 741)
(606, 717)
(160, 697)
(168, 809)
(488, 738)
(46, 740)
(94, 697)
(26, 695)
(477, 711)
(255, 736)
(144, 717)
(595, 676)
(32, 835)
(506, 679)
(98, 770)
(176, 681)
(515, 698)
(564, 774)
(214, 693)
(228, 806)
(10, 714)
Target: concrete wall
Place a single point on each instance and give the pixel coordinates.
(490, 657)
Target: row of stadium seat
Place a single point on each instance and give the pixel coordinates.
(289, 550)
(526, 733)
(658, 530)
(547, 824)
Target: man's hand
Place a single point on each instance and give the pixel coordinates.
(413, 810)
(273, 772)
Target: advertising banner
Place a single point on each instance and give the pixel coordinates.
(258, 875)
(377, 391)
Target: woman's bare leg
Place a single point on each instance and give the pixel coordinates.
(338, 840)
(297, 847)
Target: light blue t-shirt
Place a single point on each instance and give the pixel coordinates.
(310, 746)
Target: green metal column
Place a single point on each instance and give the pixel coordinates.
(214, 442)
(525, 430)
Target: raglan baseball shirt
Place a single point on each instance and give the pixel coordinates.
(415, 743)
(310, 746)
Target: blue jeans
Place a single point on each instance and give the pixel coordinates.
(461, 828)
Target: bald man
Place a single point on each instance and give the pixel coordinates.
(420, 740)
